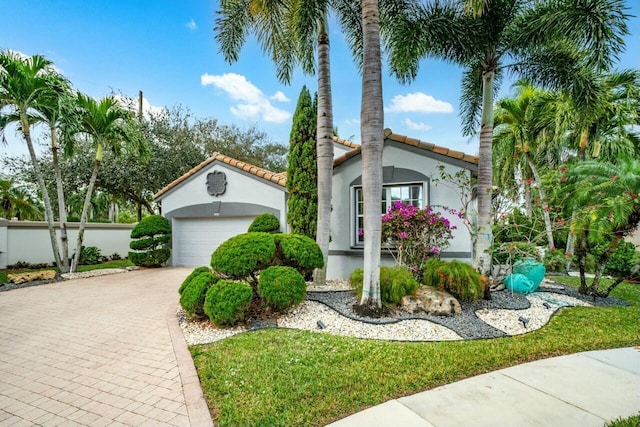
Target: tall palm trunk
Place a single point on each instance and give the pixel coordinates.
(48, 212)
(324, 150)
(571, 238)
(85, 208)
(482, 258)
(62, 210)
(545, 203)
(371, 118)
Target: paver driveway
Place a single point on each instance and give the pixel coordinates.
(95, 351)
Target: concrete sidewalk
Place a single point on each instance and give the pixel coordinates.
(100, 351)
(581, 390)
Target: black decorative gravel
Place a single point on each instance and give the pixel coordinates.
(465, 324)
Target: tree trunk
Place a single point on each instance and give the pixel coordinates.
(371, 128)
(582, 261)
(602, 263)
(48, 212)
(85, 209)
(62, 207)
(324, 151)
(482, 258)
(545, 204)
(571, 242)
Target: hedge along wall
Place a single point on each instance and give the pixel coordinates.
(28, 241)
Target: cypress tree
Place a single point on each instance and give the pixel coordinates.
(302, 173)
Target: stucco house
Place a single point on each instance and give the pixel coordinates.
(220, 197)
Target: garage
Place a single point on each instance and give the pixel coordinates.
(195, 239)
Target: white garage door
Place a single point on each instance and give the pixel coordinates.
(195, 239)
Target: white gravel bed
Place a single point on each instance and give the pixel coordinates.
(204, 332)
(306, 316)
(331, 285)
(537, 315)
(94, 273)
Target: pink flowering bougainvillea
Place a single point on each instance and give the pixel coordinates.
(414, 235)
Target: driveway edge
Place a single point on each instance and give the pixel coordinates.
(197, 408)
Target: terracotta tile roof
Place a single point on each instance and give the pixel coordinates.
(389, 135)
(277, 178)
(345, 142)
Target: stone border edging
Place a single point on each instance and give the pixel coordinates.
(197, 408)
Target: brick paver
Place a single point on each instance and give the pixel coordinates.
(93, 351)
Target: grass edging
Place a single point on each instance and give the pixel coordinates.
(282, 377)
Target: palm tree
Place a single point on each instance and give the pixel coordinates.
(518, 128)
(542, 42)
(290, 31)
(371, 128)
(16, 202)
(49, 110)
(107, 125)
(608, 202)
(23, 82)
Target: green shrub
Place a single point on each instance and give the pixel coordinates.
(153, 258)
(281, 287)
(299, 252)
(458, 278)
(193, 295)
(622, 260)
(193, 274)
(151, 236)
(227, 302)
(90, 255)
(555, 260)
(244, 254)
(267, 223)
(430, 275)
(150, 226)
(395, 283)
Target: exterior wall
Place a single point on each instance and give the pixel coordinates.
(28, 241)
(339, 150)
(344, 258)
(242, 188)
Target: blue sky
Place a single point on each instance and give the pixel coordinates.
(166, 49)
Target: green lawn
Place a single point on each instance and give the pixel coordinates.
(109, 264)
(277, 377)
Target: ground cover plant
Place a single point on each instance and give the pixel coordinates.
(256, 378)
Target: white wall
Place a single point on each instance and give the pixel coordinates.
(29, 241)
(240, 189)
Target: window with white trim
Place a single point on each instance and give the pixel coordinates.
(409, 194)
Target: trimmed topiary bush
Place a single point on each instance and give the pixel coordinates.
(193, 296)
(299, 252)
(395, 283)
(151, 236)
(193, 274)
(455, 277)
(281, 287)
(266, 223)
(243, 255)
(227, 302)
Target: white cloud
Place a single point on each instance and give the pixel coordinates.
(416, 126)
(280, 97)
(192, 25)
(252, 104)
(418, 103)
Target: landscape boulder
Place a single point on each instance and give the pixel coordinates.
(431, 301)
(19, 278)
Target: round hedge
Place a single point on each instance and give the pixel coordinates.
(150, 226)
(153, 258)
(244, 254)
(193, 274)
(300, 252)
(267, 223)
(193, 296)
(227, 302)
(281, 287)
